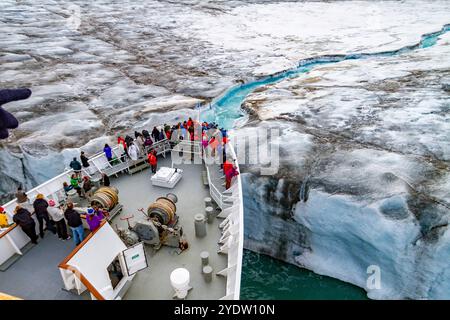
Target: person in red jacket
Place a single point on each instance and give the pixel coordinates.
(152, 160)
(121, 140)
(227, 165)
(190, 123)
(229, 175)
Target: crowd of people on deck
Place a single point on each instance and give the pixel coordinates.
(58, 216)
(143, 143)
(55, 217)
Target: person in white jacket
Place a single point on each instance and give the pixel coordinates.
(57, 215)
(133, 152)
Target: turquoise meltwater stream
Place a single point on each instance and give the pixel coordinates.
(226, 109)
(263, 277)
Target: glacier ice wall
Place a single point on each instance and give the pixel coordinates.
(149, 62)
(124, 64)
(369, 186)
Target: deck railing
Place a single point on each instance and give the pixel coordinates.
(233, 232)
(216, 195)
(12, 240)
(232, 240)
(100, 163)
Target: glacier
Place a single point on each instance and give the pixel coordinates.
(365, 143)
(364, 178)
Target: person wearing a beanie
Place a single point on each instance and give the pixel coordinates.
(40, 206)
(57, 215)
(93, 220)
(4, 223)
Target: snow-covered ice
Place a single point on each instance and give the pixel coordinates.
(368, 139)
(376, 168)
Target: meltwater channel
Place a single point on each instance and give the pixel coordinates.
(262, 276)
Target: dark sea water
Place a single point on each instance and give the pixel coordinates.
(267, 278)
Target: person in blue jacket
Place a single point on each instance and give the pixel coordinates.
(108, 152)
(7, 120)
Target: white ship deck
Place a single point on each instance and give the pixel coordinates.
(153, 282)
(35, 274)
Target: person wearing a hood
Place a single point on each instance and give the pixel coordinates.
(84, 160)
(122, 143)
(128, 140)
(148, 142)
(155, 134)
(146, 134)
(168, 133)
(166, 128)
(122, 148)
(190, 122)
(40, 206)
(152, 160)
(108, 152)
(75, 224)
(133, 152)
(140, 142)
(229, 175)
(57, 215)
(22, 217)
(4, 223)
(94, 219)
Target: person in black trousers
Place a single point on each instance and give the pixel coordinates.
(40, 206)
(22, 217)
(84, 160)
(57, 215)
(105, 180)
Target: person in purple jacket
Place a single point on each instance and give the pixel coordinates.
(94, 220)
(7, 120)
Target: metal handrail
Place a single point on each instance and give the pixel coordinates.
(214, 191)
(240, 239)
